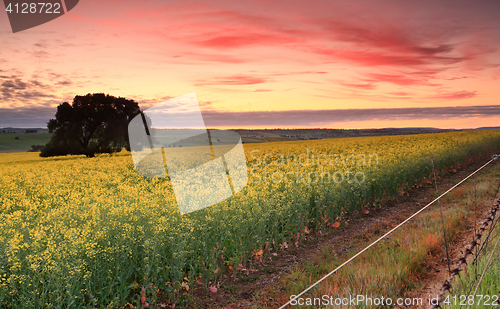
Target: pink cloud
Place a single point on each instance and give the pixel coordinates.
(393, 53)
(380, 44)
(360, 86)
(382, 40)
(242, 37)
(211, 57)
(235, 80)
(457, 95)
(402, 94)
(397, 79)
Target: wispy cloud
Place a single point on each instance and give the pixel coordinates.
(328, 118)
(147, 103)
(234, 80)
(14, 90)
(35, 116)
(360, 86)
(239, 39)
(398, 79)
(400, 93)
(457, 95)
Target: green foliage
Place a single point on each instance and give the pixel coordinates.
(8, 143)
(94, 123)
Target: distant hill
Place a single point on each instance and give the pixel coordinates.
(26, 136)
(22, 141)
(275, 135)
(488, 128)
(23, 130)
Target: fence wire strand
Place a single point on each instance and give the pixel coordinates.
(442, 218)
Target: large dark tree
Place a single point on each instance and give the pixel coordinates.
(94, 123)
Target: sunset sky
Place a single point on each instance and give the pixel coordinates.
(265, 64)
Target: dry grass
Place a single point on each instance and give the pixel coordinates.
(397, 264)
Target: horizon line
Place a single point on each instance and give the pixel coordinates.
(294, 128)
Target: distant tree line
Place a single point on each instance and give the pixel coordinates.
(20, 131)
(36, 148)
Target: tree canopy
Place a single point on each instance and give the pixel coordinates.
(94, 123)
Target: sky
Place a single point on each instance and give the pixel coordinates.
(265, 64)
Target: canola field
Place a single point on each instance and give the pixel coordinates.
(92, 233)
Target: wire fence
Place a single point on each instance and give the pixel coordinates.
(471, 258)
(473, 253)
(476, 244)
